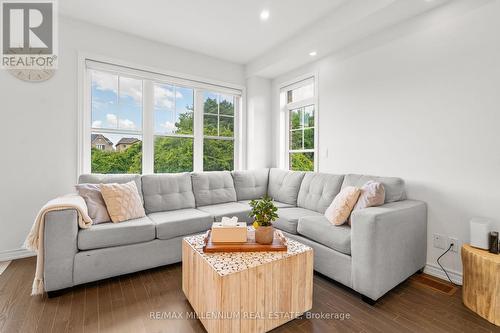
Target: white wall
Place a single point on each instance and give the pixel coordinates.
(424, 107)
(258, 123)
(39, 157)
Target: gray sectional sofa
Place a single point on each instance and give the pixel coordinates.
(384, 246)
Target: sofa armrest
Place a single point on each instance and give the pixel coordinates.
(60, 247)
(388, 244)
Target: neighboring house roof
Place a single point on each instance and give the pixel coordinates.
(127, 141)
(100, 136)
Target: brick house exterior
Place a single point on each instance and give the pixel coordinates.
(99, 141)
(124, 143)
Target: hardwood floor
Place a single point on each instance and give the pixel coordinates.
(124, 304)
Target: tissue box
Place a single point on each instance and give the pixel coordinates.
(229, 234)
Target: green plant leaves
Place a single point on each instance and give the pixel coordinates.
(264, 211)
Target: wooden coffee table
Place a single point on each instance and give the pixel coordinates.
(247, 292)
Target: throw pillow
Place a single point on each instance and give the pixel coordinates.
(91, 193)
(372, 195)
(341, 207)
(123, 201)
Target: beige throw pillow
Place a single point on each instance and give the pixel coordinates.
(123, 201)
(341, 207)
(91, 193)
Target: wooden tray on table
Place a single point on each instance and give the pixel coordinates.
(278, 244)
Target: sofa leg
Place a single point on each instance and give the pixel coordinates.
(421, 270)
(56, 293)
(368, 300)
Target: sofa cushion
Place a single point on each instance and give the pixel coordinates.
(279, 204)
(164, 192)
(276, 203)
(394, 187)
(289, 217)
(180, 222)
(250, 184)
(284, 185)
(114, 234)
(97, 178)
(213, 187)
(229, 209)
(319, 229)
(318, 190)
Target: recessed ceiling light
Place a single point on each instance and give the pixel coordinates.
(264, 15)
(313, 53)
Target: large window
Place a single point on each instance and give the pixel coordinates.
(142, 122)
(299, 106)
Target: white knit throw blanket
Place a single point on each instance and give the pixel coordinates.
(35, 242)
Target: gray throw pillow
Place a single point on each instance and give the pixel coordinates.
(96, 206)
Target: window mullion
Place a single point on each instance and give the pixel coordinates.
(238, 159)
(174, 89)
(148, 128)
(86, 119)
(198, 131)
(218, 114)
(303, 111)
(288, 136)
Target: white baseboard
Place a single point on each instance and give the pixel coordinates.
(436, 271)
(15, 254)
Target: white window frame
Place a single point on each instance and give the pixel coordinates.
(285, 118)
(150, 76)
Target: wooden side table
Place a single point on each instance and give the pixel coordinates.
(247, 291)
(481, 282)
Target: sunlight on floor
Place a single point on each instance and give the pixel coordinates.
(3, 266)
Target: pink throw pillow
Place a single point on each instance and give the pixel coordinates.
(372, 195)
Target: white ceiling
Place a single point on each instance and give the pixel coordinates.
(357, 25)
(232, 29)
(226, 29)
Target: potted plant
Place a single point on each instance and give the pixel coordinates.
(264, 213)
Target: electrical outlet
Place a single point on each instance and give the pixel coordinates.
(439, 241)
(456, 244)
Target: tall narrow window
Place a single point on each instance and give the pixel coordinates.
(174, 135)
(116, 129)
(218, 131)
(301, 127)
